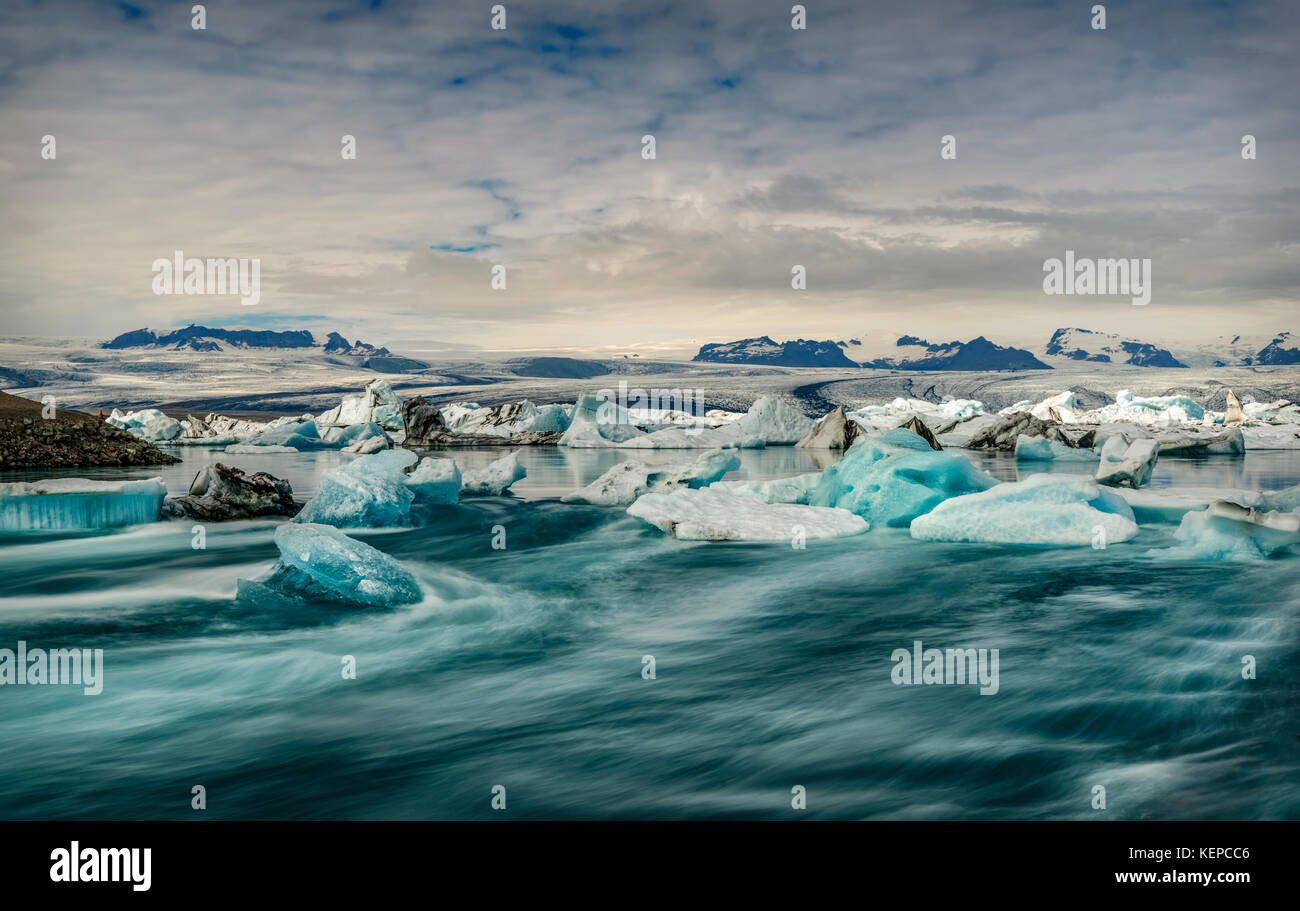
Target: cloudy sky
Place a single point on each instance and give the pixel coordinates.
(775, 147)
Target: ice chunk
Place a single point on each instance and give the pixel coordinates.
(77, 503)
(302, 435)
(1127, 465)
(322, 561)
(1228, 531)
(368, 492)
(706, 514)
(779, 490)
(1287, 499)
(895, 478)
(1171, 504)
(1042, 509)
(775, 421)
(377, 403)
(599, 423)
(626, 481)
(1041, 449)
(435, 481)
(495, 479)
(149, 424)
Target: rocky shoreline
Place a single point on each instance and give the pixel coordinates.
(67, 440)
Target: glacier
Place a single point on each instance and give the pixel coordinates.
(76, 503)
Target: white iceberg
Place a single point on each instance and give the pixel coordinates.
(77, 503)
(769, 421)
(1127, 464)
(778, 490)
(148, 424)
(1043, 509)
(377, 404)
(1228, 531)
(323, 561)
(706, 514)
(892, 479)
(434, 481)
(626, 481)
(1169, 505)
(495, 479)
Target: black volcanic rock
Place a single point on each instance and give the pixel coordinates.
(423, 422)
(763, 350)
(220, 493)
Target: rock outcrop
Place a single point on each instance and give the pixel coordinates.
(67, 439)
(917, 426)
(220, 493)
(834, 431)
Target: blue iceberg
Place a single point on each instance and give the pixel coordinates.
(892, 479)
(76, 503)
(319, 561)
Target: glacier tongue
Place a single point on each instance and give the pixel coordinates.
(77, 503)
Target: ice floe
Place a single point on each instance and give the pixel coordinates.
(77, 503)
(622, 484)
(1046, 509)
(1126, 464)
(1229, 531)
(495, 479)
(321, 561)
(706, 514)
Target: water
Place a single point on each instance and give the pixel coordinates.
(522, 668)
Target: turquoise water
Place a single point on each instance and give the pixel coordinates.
(523, 668)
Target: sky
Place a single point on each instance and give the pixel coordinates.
(774, 147)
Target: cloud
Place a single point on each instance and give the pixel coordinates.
(774, 148)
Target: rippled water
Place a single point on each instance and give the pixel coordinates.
(522, 668)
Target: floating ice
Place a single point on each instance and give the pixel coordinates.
(597, 423)
(495, 479)
(780, 490)
(322, 561)
(368, 492)
(377, 403)
(1228, 531)
(1041, 449)
(300, 433)
(149, 424)
(895, 478)
(76, 503)
(1169, 505)
(626, 481)
(1042, 509)
(505, 420)
(706, 514)
(435, 481)
(254, 449)
(1127, 465)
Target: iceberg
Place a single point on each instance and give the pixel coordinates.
(368, 492)
(1127, 464)
(598, 423)
(1043, 509)
(434, 481)
(377, 404)
(769, 421)
(76, 503)
(891, 480)
(1169, 505)
(779, 490)
(705, 514)
(623, 483)
(1041, 449)
(299, 433)
(495, 479)
(149, 424)
(1228, 531)
(254, 449)
(320, 561)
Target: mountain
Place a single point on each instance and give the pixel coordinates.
(978, 354)
(1104, 348)
(1276, 352)
(239, 338)
(763, 350)
(207, 339)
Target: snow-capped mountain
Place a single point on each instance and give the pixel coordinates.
(1105, 348)
(211, 340)
(912, 353)
(763, 350)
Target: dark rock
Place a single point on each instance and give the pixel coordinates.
(917, 426)
(1002, 435)
(221, 493)
(834, 431)
(423, 422)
